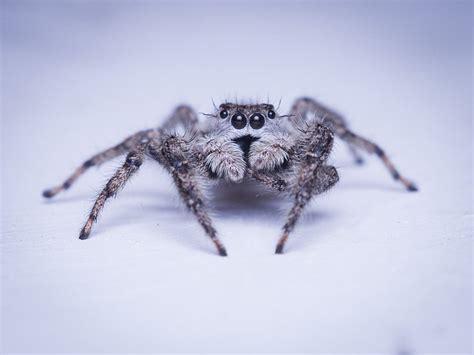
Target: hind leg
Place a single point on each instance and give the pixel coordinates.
(304, 108)
(373, 148)
(174, 153)
(183, 116)
(170, 152)
(100, 158)
(355, 154)
(336, 123)
(122, 175)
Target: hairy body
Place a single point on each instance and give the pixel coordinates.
(287, 153)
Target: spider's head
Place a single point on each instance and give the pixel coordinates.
(247, 119)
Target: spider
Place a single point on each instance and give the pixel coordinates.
(287, 153)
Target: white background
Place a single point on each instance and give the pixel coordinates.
(371, 268)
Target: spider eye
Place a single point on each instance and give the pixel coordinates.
(224, 114)
(239, 120)
(271, 114)
(257, 121)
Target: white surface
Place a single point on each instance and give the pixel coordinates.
(371, 268)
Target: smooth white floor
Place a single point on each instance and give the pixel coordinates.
(371, 268)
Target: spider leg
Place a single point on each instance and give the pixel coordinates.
(371, 147)
(334, 121)
(174, 153)
(313, 177)
(355, 154)
(272, 180)
(171, 153)
(122, 175)
(183, 116)
(101, 158)
(305, 107)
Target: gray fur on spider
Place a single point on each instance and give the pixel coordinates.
(287, 153)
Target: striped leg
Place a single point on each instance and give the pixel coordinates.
(304, 107)
(174, 154)
(183, 116)
(372, 148)
(313, 176)
(101, 158)
(122, 175)
(355, 154)
(336, 123)
(312, 181)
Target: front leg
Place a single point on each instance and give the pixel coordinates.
(313, 177)
(176, 155)
(223, 158)
(131, 165)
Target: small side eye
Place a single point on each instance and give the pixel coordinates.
(224, 114)
(271, 114)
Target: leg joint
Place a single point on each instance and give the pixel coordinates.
(379, 151)
(89, 163)
(134, 160)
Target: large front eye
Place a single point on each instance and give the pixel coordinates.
(271, 114)
(224, 114)
(257, 121)
(239, 120)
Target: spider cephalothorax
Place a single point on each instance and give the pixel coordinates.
(287, 153)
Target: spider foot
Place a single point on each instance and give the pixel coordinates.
(83, 235)
(86, 231)
(281, 244)
(410, 186)
(48, 193)
(220, 248)
(279, 249)
(51, 192)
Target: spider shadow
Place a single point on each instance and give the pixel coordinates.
(394, 186)
(93, 195)
(66, 199)
(247, 200)
(166, 221)
(367, 185)
(157, 213)
(315, 226)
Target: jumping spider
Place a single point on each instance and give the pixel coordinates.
(287, 153)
